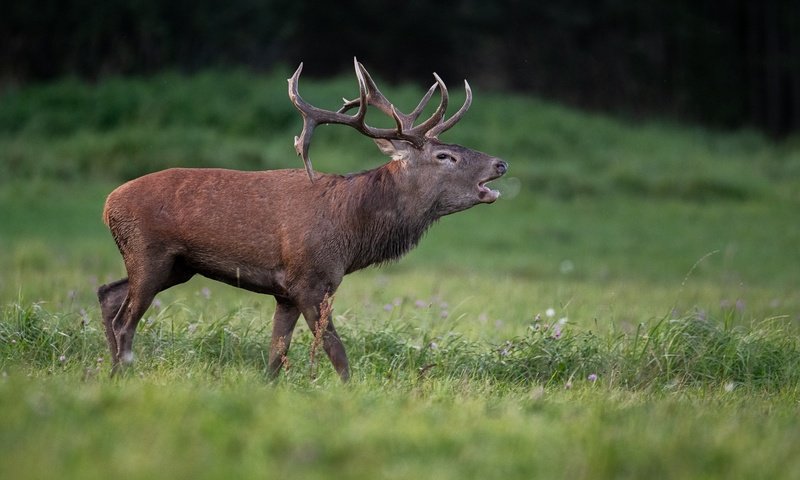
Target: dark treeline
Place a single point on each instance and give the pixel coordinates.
(727, 64)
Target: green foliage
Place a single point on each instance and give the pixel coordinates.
(124, 127)
(686, 59)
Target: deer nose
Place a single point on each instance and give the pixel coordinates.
(501, 166)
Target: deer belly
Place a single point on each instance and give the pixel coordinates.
(252, 273)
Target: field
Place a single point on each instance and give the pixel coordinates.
(629, 308)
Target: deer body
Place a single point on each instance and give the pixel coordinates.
(254, 230)
(278, 233)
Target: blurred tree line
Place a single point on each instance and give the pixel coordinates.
(729, 64)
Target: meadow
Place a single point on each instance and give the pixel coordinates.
(628, 308)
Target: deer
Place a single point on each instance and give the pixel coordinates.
(289, 233)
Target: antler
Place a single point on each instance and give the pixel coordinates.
(369, 94)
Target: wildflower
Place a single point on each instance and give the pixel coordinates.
(730, 386)
(421, 304)
(504, 352)
(538, 317)
(433, 345)
(388, 307)
(557, 332)
(562, 320)
(444, 314)
(191, 328)
(568, 385)
(592, 377)
(62, 358)
(550, 312)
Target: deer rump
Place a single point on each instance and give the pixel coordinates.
(289, 233)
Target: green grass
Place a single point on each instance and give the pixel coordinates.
(669, 251)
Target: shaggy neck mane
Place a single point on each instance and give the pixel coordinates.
(387, 216)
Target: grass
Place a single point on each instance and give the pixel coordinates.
(442, 430)
(628, 309)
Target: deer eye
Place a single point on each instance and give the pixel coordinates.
(444, 156)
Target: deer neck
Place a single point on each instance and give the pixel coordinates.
(388, 215)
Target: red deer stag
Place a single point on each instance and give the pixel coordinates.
(288, 233)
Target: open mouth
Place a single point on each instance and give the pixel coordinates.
(486, 194)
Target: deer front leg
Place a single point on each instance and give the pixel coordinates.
(283, 323)
(319, 317)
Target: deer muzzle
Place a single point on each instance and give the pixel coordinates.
(486, 194)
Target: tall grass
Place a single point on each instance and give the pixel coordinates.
(690, 351)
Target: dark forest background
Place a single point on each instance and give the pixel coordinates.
(724, 64)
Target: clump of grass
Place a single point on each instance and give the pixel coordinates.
(32, 336)
(694, 350)
(689, 351)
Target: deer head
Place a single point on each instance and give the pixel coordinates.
(451, 177)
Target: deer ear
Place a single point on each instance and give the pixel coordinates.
(397, 149)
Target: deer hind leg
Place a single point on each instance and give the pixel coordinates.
(125, 325)
(283, 323)
(112, 296)
(318, 316)
(143, 285)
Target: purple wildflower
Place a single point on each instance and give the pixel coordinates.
(557, 331)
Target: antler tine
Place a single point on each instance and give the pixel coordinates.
(446, 125)
(372, 96)
(437, 116)
(363, 94)
(303, 142)
(422, 103)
